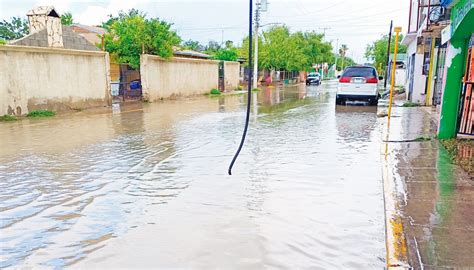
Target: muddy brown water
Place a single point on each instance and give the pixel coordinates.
(146, 186)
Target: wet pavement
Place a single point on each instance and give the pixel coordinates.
(435, 198)
(146, 186)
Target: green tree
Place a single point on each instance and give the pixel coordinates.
(212, 47)
(121, 16)
(281, 50)
(314, 47)
(131, 32)
(67, 19)
(14, 29)
(377, 51)
(227, 54)
(193, 45)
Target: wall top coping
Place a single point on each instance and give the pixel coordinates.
(31, 49)
(184, 59)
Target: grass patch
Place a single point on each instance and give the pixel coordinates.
(256, 90)
(423, 139)
(40, 113)
(8, 118)
(461, 153)
(238, 88)
(410, 104)
(215, 92)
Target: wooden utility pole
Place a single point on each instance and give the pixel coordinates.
(388, 56)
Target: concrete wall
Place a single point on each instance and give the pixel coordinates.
(231, 75)
(169, 78)
(400, 77)
(56, 79)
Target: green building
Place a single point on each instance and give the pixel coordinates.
(457, 109)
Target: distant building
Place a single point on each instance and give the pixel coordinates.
(92, 33)
(46, 30)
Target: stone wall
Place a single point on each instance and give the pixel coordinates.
(56, 79)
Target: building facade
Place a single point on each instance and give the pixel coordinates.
(457, 109)
(440, 61)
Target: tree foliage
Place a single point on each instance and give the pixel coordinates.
(377, 51)
(131, 32)
(14, 29)
(67, 19)
(193, 45)
(280, 49)
(226, 54)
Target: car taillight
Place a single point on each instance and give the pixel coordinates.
(372, 80)
(345, 80)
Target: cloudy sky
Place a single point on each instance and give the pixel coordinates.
(352, 22)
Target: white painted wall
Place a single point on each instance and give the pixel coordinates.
(419, 80)
(56, 79)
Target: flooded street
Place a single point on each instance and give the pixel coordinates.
(146, 186)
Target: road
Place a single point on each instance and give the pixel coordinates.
(146, 185)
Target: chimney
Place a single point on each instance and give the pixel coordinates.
(47, 17)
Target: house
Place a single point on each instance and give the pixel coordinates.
(46, 30)
(92, 33)
(426, 20)
(440, 66)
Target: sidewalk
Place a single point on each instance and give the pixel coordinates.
(432, 198)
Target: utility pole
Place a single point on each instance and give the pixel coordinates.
(388, 56)
(343, 46)
(324, 29)
(337, 54)
(255, 62)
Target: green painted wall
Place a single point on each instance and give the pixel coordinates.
(455, 71)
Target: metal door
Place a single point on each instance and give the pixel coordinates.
(221, 76)
(466, 113)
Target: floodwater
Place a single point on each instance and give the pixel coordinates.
(146, 186)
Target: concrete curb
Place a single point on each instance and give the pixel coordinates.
(395, 241)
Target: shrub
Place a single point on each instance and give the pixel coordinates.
(41, 113)
(411, 104)
(215, 92)
(7, 118)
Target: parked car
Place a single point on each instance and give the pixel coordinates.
(358, 83)
(313, 78)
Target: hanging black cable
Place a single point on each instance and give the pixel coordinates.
(249, 95)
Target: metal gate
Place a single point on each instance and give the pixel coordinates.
(125, 82)
(221, 76)
(466, 113)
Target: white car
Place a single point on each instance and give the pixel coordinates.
(358, 83)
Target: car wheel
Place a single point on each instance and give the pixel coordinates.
(374, 102)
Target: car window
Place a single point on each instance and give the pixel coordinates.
(359, 72)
